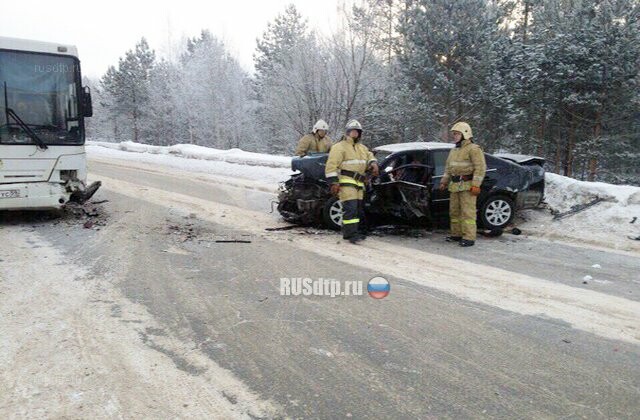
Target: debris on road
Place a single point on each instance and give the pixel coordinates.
(577, 209)
(93, 214)
(492, 233)
(186, 232)
(194, 232)
(274, 229)
(596, 266)
(399, 230)
(89, 215)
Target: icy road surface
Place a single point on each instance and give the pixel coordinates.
(146, 315)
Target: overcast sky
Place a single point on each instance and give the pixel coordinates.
(104, 30)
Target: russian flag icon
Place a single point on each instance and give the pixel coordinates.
(378, 287)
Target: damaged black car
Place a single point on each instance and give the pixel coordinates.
(406, 192)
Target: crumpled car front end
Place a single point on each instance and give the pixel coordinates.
(302, 197)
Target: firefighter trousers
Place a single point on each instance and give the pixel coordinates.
(352, 210)
(462, 214)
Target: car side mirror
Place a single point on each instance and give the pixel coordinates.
(87, 105)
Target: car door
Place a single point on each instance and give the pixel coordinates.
(439, 199)
(401, 186)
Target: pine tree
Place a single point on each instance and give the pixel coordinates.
(446, 56)
(220, 109)
(129, 88)
(288, 64)
(577, 79)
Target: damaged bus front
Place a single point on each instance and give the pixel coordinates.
(43, 162)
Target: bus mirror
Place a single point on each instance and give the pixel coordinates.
(87, 106)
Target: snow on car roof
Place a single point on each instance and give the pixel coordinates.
(416, 145)
(517, 157)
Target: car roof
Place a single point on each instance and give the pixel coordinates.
(518, 158)
(412, 146)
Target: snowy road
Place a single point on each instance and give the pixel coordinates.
(150, 316)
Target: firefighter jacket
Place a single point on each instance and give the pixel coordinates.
(311, 143)
(350, 156)
(465, 160)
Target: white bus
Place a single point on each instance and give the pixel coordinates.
(43, 163)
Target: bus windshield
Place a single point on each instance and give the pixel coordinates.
(41, 90)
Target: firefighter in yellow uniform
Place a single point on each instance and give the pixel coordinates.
(345, 171)
(463, 175)
(316, 142)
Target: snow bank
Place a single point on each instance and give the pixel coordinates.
(236, 164)
(561, 192)
(191, 151)
(612, 223)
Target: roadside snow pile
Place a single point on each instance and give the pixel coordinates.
(588, 212)
(265, 178)
(563, 193)
(191, 151)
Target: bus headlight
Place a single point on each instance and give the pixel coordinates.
(68, 175)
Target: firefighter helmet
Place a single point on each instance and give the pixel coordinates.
(320, 125)
(353, 125)
(463, 128)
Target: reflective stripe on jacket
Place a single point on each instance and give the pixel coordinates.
(468, 159)
(351, 156)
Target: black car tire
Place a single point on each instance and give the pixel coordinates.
(332, 214)
(496, 212)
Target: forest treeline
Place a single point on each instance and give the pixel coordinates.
(553, 78)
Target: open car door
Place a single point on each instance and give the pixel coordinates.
(402, 192)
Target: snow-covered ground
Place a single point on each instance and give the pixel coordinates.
(199, 152)
(614, 222)
(609, 223)
(234, 163)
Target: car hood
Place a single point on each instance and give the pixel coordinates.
(311, 165)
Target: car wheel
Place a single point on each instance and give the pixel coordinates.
(497, 212)
(332, 214)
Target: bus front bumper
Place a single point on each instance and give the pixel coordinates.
(43, 195)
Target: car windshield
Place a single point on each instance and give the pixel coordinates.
(41, 90)
(381, 155)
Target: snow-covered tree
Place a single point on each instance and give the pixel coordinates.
(556, 78)
(216, 95)
(128, 86)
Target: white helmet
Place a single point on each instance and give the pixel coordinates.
(320, 125)
(353, 125)
(463, 128)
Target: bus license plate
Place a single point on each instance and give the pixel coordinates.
(9, 193)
